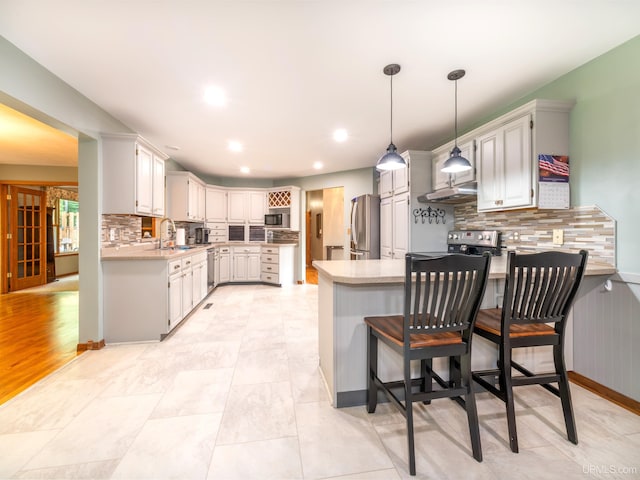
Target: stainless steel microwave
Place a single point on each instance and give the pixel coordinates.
(280, 220)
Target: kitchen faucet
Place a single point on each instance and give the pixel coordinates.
(172, 228)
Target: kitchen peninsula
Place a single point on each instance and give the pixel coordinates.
(149, 291)
(350, 290)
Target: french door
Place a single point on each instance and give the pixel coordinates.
(27, 240)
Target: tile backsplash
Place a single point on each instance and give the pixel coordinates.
(532, 229)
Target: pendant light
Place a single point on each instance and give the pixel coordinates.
(391, 160)
(456, 163)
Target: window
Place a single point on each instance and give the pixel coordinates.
(68, 226)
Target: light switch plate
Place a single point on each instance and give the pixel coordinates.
(558, 236)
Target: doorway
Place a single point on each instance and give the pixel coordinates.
(324, 227)
(27, 238)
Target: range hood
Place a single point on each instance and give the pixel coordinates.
(457, 194)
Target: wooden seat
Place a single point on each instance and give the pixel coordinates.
(539, 292)
(441, 299)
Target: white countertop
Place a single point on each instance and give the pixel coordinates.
(147, 252)
(392, 271)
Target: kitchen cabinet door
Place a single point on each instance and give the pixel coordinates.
(175, 299)
(386, 227)
(505, 167)
(253, 267)
(224, 268)
(133, 171)
(144, 180)
(440, 179)
(400, 231)
(196, 291)
(185, 194)
(517, 163)
(444, 180)
(215, 205)
(238, 206)
(257, 207)
(187, 291)
(385, 186)
(239, 267)
(158, 186)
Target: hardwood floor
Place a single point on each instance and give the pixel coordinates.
(312, 276)
(38, 334)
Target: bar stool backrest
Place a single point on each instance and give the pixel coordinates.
(541, 287)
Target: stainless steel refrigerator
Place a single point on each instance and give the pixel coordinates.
(365, 227)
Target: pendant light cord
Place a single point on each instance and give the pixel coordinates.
(456, 113)
(391, 112)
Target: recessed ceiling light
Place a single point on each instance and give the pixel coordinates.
(235, 146)
(317, 165)
(245, 170)
(340, 135)
(172, 147)
(215, 96)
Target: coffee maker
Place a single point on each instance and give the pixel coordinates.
(202, 235)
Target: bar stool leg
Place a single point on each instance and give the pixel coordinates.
(565, 394)
(372, 356)
(507, 389)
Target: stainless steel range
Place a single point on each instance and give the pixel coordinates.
(474, 242)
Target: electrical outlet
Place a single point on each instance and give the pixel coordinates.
(112, 234)
(558, 236)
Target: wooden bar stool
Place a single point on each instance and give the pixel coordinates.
(441, 299)
(540, 289)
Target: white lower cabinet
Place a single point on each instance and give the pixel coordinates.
(199, 268)
(175, 293)
(394, 226)
(187, 286)
(246, 264)
(277, 264)
(145, 299)
(224, 265)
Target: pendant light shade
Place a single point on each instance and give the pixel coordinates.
(391, 160)
(456, 162)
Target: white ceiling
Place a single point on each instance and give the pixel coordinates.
(295, 70)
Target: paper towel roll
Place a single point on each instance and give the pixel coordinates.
(180, 236)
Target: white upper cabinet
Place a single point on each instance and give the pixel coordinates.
(441, 154)
(397, 181)
(246, 206)
(398, 233)
(286, 198)
(144, 180)
(257, 206)
(238, 206)
(133, 176)
(505, 167)
(185, 197)
(158, 187)
(216, 204)
(508, 150)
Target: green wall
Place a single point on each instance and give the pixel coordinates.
(605, 140)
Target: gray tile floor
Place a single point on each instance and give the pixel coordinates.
(236, 394)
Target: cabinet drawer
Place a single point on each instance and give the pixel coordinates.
(187, 262)
(175, 266)
(270, 250)
(246, 249)
(269, 258)
(218, 238)
(269, 278)
(217, 228)
(270, 268)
